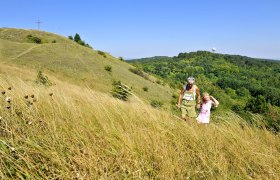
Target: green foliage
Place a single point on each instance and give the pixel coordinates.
(121, 58)
(145, 88)
(257, 105)
(53, 41)
(77, 38)
(43, 79)
(101, 53)
(231, 92)
(108, 68)
(34, 39)
(234, 80)
(156, 104)
(120, 91)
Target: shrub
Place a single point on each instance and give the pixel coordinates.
(43, 79)
(145, 88)
(108, 68)
(156, 104)
(120, 91)
(121, 58)
(53, 41)
(70, 37)
(34, 39)
(158, 81)
(101, 53)
(138, 72)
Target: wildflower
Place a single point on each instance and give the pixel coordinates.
(8, 99)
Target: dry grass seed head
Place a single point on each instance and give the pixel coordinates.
(8, 99)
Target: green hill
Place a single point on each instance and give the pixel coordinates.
(242, 84)
(69, 61)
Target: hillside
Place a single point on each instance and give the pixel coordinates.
(84, 134)
(75, 129)
(242, 84)
(68, 61)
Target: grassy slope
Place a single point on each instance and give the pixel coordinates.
(83, 133)
(80, 133)
(71, 62)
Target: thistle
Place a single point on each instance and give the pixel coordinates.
(8, 100)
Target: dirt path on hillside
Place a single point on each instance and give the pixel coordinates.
(26, 51)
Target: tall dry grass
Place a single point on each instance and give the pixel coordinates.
(79, 133)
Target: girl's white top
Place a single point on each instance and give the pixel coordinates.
(204, 115)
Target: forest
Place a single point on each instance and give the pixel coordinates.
(244, 85)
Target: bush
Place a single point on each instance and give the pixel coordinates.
(156, 104)
(70, 37)
(108, 68)
(120, 91)
(101, 53)
(158, 81)
(121, 58)
(138, 72)
(53, 41)
(145, 88)
(34, 39)
(43, 79)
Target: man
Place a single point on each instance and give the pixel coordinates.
(187, 99)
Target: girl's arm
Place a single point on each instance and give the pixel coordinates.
(216, 103)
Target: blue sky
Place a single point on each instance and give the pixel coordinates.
(144, 28)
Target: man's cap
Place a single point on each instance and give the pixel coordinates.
(190, 80)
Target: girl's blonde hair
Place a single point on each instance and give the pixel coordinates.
(205, 94)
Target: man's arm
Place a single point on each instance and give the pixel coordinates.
(198, 97)
(180, 98)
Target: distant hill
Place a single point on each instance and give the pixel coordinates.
(241, 83)
(62, 58)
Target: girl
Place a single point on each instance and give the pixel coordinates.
(204, 115)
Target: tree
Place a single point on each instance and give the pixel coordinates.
(77, 38)
(257, 105)
(70, 37)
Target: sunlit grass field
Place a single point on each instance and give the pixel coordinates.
(84, 134)
(68, 61)
(75, 129)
